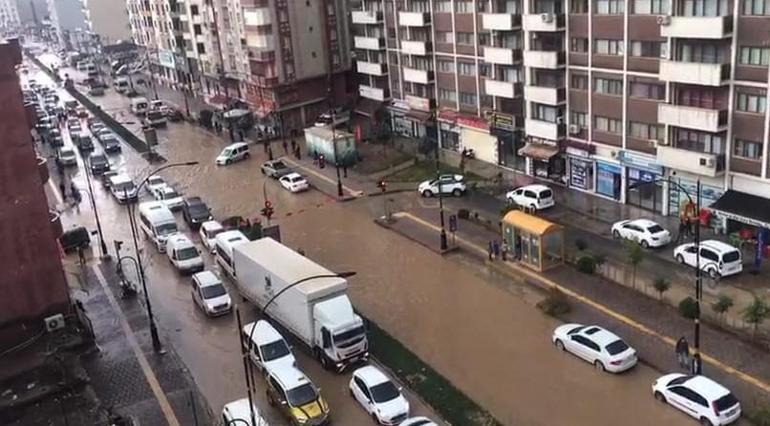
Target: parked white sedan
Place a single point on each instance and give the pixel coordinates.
(603, 349)
(169, 197)
(699, 397)
(294, 182)
(450, 184)
(379, 396)
(644, 231)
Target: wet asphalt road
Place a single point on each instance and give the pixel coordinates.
(473, 327)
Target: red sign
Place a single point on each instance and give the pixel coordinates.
(465, 120)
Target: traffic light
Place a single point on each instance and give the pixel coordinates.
(268, 211)
(382, 185)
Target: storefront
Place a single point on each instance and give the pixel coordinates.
(644, 186)
(449, 135)
(677, 198)
(407, 121)
(581, 166)
(509, 140)
(544, 160)
(609, 179)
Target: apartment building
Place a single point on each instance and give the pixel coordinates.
(66, 16)
(108, 19)
(628, 100)
(9, 16)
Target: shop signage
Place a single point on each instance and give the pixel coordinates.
(502, 121)
(628, 158)
(579, 173)
(166, 58)
(415, 102)
(576, 152)
(473, 122)
(400, 104)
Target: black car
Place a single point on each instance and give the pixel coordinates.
(85, 143)
(111, 144)
(195, 212)
(98, 163)
(73, 238)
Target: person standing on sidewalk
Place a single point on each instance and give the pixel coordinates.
(491, 250)
(285, 147)
(496, 248)
(683, 353)
(293, 144)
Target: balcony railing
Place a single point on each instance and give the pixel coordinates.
(413, 19)
(545, 95)
(701, 163)
(366, 17)
(418, 76)
(502, 89)
(704, 74)
(369, 43)
(500, 21)
(544, 22)
(544, 129)
(544, 59)
(705, 27)
(705, 119)
(501, 55)
(420, 48)
(371, 68)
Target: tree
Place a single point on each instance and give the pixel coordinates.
(634, 256)
(661, 284)
(722, 305)
(756, 313)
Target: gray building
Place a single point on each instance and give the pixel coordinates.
(66, 16)
(108, 19)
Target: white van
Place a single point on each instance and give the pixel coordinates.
(267, 347)
(139, 106)
(183, 254)
(535, 197)
(234, 152)
(121, 84)
(157, 223)
(224, 248)
(717, 259)
(122, 188)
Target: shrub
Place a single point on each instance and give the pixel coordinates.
(661, 285)
(581, 244)
(756, 313)
(555, 303)
(586, 264)
(688, 307)
(722, 305)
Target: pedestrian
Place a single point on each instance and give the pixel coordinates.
(695, 364)
(683, 352)
(74, 190)
(265, 144)
(504, 251)
(345, 169)
(297, 152)
(81, 255)
(693, 225)
(322, 161)
(285, 147)
(683, 228)
(517, 248)
(293, 144)
(315, 157)
(496, 248)
(491, 250)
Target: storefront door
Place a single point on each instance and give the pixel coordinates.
(608, 180)
(644, 190)
(581, 173)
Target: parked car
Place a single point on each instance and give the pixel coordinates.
(267, 348)
(644, 231)
(418, 421)
(238, 413)
(232, 153)
(292, 392)
(66, 156)
(183, 254)
(74, 127)
(717, 259)
(450, 184)
(110, 143)
(536, 197)
(699, 397)
(602, 348)
(102, 133)
(169, 197)
(95, 125)
(210, 294)
(208, 233)
(153, 183)
(195, 212)
(54, 138)
(275, 169)
(83, 141)
(294, 182)
(106, 176)
(379, 396)
(123, 188)
(75, 237)
(98, 163)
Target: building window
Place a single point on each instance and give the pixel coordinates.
(464, 68)
(650, 7)
(751, 103)
(608, 47)
(754, 56)
(693, 140)
(545, 112)
(645, 131)
(608, 86)
(578, 45)
(654, 91)
(747, 149)
(609, 7)
(197, 29)
(442, 6)
(578, 119)
(201, 48)
(609, 125)
(756, 7)
(467, 98)
(463, 6)
(704, 8)
(193, 9)
(484, 39)
(578, 6)
(445, 66)
(578, 82)
(648, 49)
(447, 95)
(464, 38)
(445, 37)
(485, 70)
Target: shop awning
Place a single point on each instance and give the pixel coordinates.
(367, 107)
(539, 151)
(743, 207)
(419, 116)
(532, 224)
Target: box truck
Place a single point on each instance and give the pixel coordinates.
(317, 311)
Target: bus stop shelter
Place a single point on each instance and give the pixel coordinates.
(536, 242)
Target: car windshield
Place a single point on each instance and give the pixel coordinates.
(731, 256)
(297, 179)
(679, 380)
(576, 329)
(226, 153)
(384, 392)
(169, 193)
(155, 181)
(210, 234)
(654, 229)
(348, 335)
(166, 228)
(616, 347)
(187, 253)
(274, 350)
(212, 291)
(198, 210)
(726, 402)
(301, 395)
(98, 160)
(278, 165)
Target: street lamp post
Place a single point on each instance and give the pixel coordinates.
(156, 345)
(442, 235)
(102, 244)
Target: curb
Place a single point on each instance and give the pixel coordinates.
(383, 223)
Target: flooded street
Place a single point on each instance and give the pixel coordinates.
(473, 327)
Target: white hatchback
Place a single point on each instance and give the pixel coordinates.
(294, 182)
(603, 349)
(210, 294)
(699, 397)
(169, 197)
(208, 233)
(379, 396)
(535, 197)
(644, 231)
(717, 259)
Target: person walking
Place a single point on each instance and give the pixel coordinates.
(491, 250)
(504, 250)
(285, 147)
(293, 144)
(81, 255)
(496, 248)
(62, 188)
(683, 353)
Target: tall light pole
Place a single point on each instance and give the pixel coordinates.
(102, 244)
(132, 223)
(442, 234)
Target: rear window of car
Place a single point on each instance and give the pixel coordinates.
(726, 402)
(616, 347)
(546, 193)
(731, 256)
(679, 380)
(654, 229)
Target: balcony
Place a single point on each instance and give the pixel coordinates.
(709, 120)
(260, 41)
(420, 48)
(369, 43)
(545, 95)
(694, 73)
(543, 59)
(502, 89)
(543, 129)
(366, 17)
(257, 16)
(418, 76)
(371, 68)
(543, 22)
(708, 27)
(413, 19)
(500, 21)
(691, 161)
(501, 55)
(370, 92)
(419, 103)
(42, 167)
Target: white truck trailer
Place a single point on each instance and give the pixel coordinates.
(317, 310)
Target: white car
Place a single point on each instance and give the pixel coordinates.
(379, 396)
(210, 294)
(238, 412)
(153, 183)
(418, 421)
(268, 348)
(699, 397)
(717, 259)
(208, 233)
(294, 182)
(603, 349)
(232, 153)
(644, 231)
(450, 184)
(169, 197)
(536, 197)
(183, 254)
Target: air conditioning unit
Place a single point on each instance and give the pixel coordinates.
(546, 17)
(664, 20)
(574, 129)
(54, 322)
(559, 120)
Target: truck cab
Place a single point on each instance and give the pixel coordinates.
(341, 334)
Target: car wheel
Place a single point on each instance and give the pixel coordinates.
(599, 366)
(559, 345)
(659, 396)
(427, 193)
(263, 171)
(713, 273)
(457, 192)
(376, 420)
(246, 156)
(680, 258)
(533, 207)
(324, 362)
(705, 422)
(615, 234)
(227, 162)
(645, 244)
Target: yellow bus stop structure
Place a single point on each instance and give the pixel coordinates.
(538, 243)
